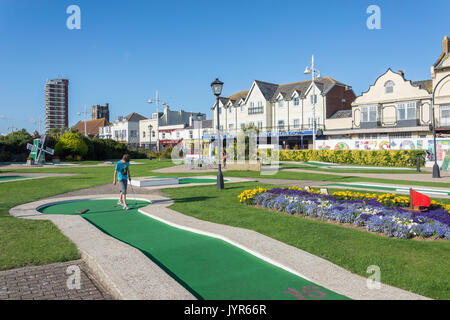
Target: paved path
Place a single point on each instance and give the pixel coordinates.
(49, 282)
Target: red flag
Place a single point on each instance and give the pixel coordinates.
(420, 200)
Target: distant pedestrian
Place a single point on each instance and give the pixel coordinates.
(224, 159)
(122, 172)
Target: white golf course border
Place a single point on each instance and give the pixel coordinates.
(128, 274)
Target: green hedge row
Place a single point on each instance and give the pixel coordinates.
(381, 158)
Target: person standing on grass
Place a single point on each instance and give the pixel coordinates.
(224, 159)
(122, 172)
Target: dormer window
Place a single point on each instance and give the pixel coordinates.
(389, 87)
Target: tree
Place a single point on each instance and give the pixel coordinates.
(71, 145)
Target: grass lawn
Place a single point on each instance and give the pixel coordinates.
(29, 242)
(418, 266)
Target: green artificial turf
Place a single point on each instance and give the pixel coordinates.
(8, 178)
(418, 266)
(198, 180)
(210, 268)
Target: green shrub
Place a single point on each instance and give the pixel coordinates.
(382, 158)
(71, 144)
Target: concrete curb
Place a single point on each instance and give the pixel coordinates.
(129, 274)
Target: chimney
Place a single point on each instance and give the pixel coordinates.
(400, 72)
(445, 45)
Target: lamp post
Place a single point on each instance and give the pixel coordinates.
(85, 118)
(216, 86)
(436, 171)
(157, 101)
(313, 72)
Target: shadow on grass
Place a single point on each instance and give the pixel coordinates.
(191, 199)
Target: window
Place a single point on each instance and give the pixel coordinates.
(400, 135)
(406, 111)
(153, 134)
(280, 104)
(313, 99)
(445, 116)
(369, 113)
(242, 125)
(230, 126)
(389, 87)
(220, 110)
(255, 110)
(133, 133)
(230, 110)
(296, 101)
(178, 134)
(296, 123)
(280, 124)
(260, 125)
(143, 134)
(124, 133)
(191, 134)
(242, 107)
(311, 122)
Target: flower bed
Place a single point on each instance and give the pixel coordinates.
(370, 211)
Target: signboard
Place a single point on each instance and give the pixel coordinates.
(446, 162)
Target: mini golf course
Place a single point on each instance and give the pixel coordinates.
(208, 267)
(10, 178)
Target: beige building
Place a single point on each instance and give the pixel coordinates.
(396, 113)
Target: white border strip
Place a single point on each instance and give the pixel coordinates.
(220, 237)
(205, 233)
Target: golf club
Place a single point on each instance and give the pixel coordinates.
(134, 194)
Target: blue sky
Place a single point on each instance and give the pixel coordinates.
(126, 50)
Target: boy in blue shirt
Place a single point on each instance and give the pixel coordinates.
(123, 171)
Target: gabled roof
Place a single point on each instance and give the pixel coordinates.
(134, 117)
(342, 114)
(424, 84)
(324, 85)
(239, 95)
(444, 54)
(92, 126)
(268, 89)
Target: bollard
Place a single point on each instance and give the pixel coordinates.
(418, 163)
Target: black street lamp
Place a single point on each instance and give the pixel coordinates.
(436, 171)
(216, 86)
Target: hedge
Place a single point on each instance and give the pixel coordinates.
(382, 158)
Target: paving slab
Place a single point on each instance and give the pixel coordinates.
(50, 282)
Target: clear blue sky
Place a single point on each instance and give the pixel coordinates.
(126, 50)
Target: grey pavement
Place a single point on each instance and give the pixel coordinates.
(49, 282)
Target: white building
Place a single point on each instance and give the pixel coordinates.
(124, 129)
(287, 110)
(170, 127)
